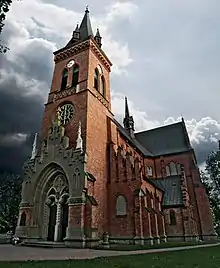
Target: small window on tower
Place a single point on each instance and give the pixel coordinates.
(103, 85)
(96, 79)
(75, 79)
(64, 79)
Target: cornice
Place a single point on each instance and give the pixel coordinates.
(66, 53)
(77, 48)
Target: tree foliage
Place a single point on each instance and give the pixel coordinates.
(211, 180)
(10, 192)
(4, 8)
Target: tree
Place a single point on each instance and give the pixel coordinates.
(10, 196)
(4, 8)
(211, 180)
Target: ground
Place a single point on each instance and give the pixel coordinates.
(204, 256)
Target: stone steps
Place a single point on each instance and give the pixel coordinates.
(44, 244)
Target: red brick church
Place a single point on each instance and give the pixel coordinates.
(90, 179)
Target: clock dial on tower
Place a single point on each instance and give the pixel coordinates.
(70, 63)
(66, 112)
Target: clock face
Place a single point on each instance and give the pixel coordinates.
(66, 113)
(70, 63)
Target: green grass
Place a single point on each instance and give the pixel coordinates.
(194, 258)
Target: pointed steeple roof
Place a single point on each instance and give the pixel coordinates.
(85, 28)
(128, 120)
(82, 32)
(127, 114)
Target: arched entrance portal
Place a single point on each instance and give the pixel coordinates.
(57, 210)
(52, 222)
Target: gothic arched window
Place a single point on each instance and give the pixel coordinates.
(172, 217)
(75, 79)
(64, 79)
(173, 170)
(121, 206)
(103, 85)
(23, 219)
(178, 166)
(167, 171)
(96, 79)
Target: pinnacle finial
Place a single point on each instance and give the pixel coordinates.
(34, 147)
(58, 116)
(127, 114)
(79, 141)
(87, 9)
(98, 33)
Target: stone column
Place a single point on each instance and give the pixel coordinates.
(75, 231)
(58, 223)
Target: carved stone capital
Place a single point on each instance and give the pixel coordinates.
(77, 200)
(24, 204)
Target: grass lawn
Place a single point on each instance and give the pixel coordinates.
(194, 258)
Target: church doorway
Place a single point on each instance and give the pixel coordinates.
(52, 222)
(64, 220)
(57, 209)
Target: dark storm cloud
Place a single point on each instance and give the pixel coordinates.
(21, 106)
(18, 115)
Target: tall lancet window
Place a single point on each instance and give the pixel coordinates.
(103, 86)
(64, 79)
(75, 79)
(96, 79)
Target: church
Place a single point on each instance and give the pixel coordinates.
(91, 180)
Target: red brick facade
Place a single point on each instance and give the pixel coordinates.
(128, 204)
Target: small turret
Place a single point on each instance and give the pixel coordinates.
(98, 38)
(76, 33)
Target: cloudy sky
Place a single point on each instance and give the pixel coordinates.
(166, 61)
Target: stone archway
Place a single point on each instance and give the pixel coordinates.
(56, 209)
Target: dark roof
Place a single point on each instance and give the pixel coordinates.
(165, 140)
(85, 27)
(133, 141)
(172, 190)
(84, 30)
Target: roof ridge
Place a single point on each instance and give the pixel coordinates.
(164, 126)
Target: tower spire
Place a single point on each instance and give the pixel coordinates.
(85, 26)
(82, 32)
(128, 120)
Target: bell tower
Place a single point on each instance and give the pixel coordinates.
(64, 193)
(80, 94)
(80, 80)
